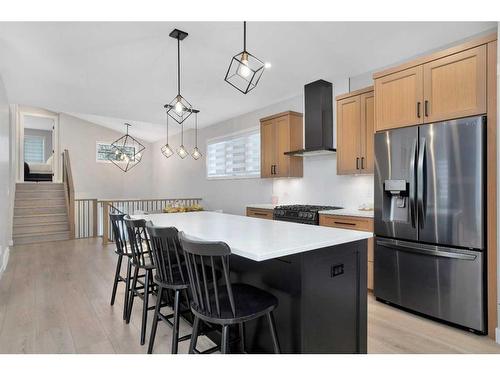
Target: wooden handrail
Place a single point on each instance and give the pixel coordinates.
(70, 192)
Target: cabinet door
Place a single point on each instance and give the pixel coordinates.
(455, 86)
(367, 130)
(399, 99)
(268, 148)
(348, 135)
(282, 164)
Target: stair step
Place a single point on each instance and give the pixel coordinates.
(37, 202)
(40, 228)
(40, 194)
(48, 210)
(35, 238)
(40, 218)
(27, 186)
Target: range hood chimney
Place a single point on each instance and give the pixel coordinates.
(318, 122)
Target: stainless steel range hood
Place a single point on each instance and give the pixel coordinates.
(318, 121)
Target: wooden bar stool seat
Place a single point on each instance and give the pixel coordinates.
(223, 304)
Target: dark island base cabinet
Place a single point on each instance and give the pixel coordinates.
(322, 300)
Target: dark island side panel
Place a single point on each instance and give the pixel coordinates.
(322, 299)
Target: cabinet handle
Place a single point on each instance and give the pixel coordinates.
(275, 169)
(343, 223)
(362, 162)
(357, 163)
(259, 214)
(426, 108)
(418, 109)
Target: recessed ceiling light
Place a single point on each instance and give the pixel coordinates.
(268, 65)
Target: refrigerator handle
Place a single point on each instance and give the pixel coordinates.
(421, 182)
(418, 248)
(413, 188)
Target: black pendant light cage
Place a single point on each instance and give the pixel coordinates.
(166, 150)
(179, 108)
(245, 70)
(196, 154)
(126, 152)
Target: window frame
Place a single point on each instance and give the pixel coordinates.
(43, 149)
(228, 137)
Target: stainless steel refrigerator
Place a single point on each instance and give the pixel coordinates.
(430, 220)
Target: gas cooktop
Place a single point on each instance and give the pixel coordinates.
(305, 214)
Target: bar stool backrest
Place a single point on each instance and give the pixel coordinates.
(167, 254)
(138, 240)
(119, 233)
(204, 261)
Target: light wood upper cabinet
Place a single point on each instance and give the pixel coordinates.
(399, 99)
(281, 133)
(355, 115)
(442, 86)
(455, 86)
(367, 129)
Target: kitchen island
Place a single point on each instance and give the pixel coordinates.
(317, 273)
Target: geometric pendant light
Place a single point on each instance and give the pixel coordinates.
(179, 108)
(167, 150)
(126, 152)
(196, 154)
(245, 69)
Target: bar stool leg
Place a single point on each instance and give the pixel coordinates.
(127, 288)
(117, 277)
(274, 335)
(145, 304)
(155, 321)
(132, 294)
(194, 335)
(175, 333)
(242, 337)
(223, 341)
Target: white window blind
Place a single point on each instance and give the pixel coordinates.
(235, 156)
(34, 149)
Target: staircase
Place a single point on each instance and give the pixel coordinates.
(40, 213)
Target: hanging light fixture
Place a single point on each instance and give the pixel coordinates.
(196, 154)
(181, 151)
(126, 152)
(245, 69)
(167, 150)
(179, 108)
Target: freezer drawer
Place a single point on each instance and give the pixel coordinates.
(444, 283)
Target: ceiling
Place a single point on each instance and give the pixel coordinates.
(114, 72)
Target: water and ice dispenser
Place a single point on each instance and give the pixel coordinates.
(396, 205)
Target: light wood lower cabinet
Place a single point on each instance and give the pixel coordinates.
(260, 213)
(355, 223)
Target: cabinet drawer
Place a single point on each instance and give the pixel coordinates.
(260, 213)
(347, 222)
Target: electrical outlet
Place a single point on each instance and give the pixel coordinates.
(336, 270)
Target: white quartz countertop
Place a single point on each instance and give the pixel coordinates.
(264, 206)
(348, 212)
(254, 238)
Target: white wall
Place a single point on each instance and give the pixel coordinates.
(94, 179)
(174, 177)
(5, 186)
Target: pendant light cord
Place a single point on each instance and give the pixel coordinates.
(244, 36)
(178, 66)
(196, 130)
(182, 134)
(167, 129)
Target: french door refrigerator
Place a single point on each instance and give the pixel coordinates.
(430, 220)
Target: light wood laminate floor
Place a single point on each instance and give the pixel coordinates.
(54, 298)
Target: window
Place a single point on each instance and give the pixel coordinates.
(235, 156)
(105, 152)
(34, 149)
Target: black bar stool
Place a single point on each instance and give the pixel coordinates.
(122, 250)
(141, 261)
(171, 275)
(227, 304)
